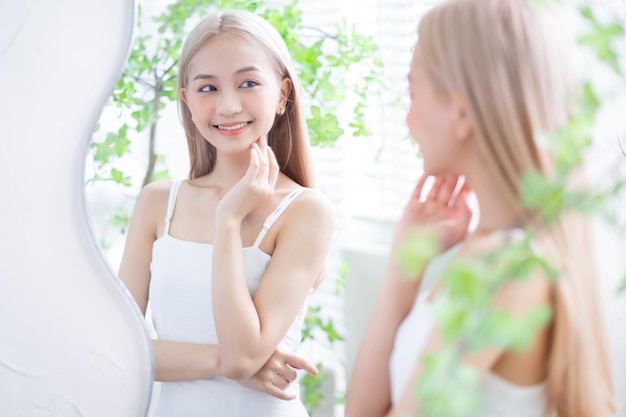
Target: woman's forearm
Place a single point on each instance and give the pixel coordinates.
(236, 319)
(395, 299)
(175, 361)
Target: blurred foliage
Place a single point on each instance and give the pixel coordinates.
(311, 387)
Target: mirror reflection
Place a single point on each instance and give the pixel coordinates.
(353, 95)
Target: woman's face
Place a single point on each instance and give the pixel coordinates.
(233, 93)
(430, 119)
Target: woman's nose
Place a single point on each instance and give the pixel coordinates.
(229, 103)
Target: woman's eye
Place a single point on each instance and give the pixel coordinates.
(207, 88)
(248, 84)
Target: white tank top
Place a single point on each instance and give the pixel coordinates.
(502, 398)
(181, 305)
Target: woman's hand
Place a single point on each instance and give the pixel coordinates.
(440, 212)
(254, 187)
(278, 372)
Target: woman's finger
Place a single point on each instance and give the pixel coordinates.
(253, 166)
(274, 169)
(280, 393)
(446, 190)
(299, 362)
(461, 204)
(280, 381)
(419, 188)
(463, 192)
(435, 189)
(263, 171)
(289, 373)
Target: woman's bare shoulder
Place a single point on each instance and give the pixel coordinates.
(156, 191)
(311, 213)
(312, 203)
(152, 199)
(522, 292)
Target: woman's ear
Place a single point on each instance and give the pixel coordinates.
(285, 88)
(183, 96)
(463, 127)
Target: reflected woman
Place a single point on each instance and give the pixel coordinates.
(228, 257)
(485, 79)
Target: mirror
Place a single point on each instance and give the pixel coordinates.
(73, 341)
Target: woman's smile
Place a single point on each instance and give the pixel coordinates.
(232, 129)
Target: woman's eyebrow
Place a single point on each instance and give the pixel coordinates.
(249, 68)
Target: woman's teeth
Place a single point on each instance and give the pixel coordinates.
(233, 127)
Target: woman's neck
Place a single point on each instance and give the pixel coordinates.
(228, 170)
(496, 211)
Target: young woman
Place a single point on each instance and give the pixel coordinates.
(485, 78)
(228, 257)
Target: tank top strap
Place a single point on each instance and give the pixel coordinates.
(269, 221)
(171, 202)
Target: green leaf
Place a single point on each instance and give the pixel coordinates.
(600, 38)
(547, 197)
(117, 175)
(416, 252)
(449, 388)
(311, 386)
(120, 220)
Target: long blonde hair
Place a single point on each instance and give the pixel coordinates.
(288, 137)
(498, 55)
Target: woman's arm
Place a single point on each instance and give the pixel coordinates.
(173, 361)
(134, 271)
(440, 212)
(176, 361)
(249, 329)
(369, 392)
(189, 361)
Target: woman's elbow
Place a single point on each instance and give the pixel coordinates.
(238, 368)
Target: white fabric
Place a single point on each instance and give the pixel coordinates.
(180, 299)
(503, 398)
